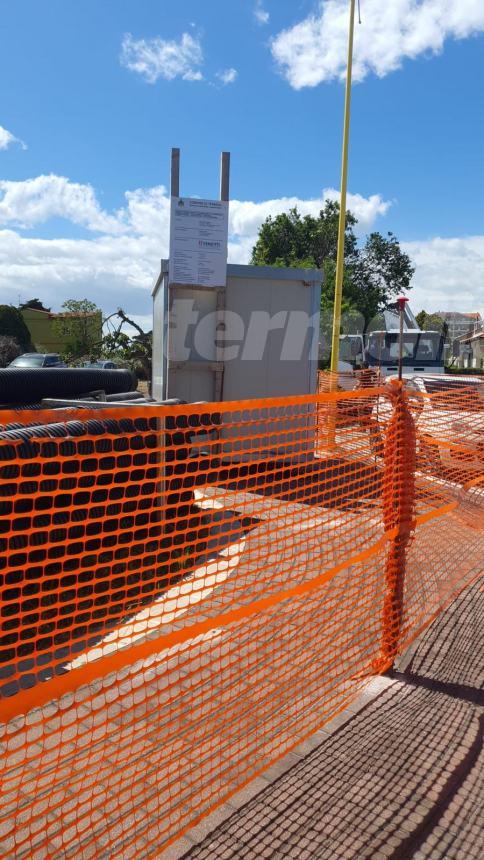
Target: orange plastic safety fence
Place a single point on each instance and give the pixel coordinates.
(449, 426)
(187, 592)
(348, 380)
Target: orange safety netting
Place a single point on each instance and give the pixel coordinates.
(190, 591)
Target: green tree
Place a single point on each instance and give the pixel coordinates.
(421, 318)
(80, 326)
(375, 273)
(133, 350)
(34, 304)
(12, 325)
(291, 240)
(431, 322)
(382, 272)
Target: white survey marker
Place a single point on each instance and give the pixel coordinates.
(198, 242)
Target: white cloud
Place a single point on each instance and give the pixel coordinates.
(34, 201)
(246, 216)
(163, 58)
(8, 139)
(260, 14)
(118, 266)
(113, 271)
(449, 274)
(314, 50)
(227, 76)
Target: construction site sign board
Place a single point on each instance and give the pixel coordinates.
(198, 242)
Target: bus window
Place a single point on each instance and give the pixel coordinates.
(425, 348)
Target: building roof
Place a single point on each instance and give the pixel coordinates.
(467, 337)
(459, 315)
(65, 314)
(36, 311)
(272, 273)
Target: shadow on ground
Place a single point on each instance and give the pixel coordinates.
(344, 484)
(402, 779)
(209, 532)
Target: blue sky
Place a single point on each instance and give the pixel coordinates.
(89, 114)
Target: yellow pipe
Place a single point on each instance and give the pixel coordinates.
(340, 256)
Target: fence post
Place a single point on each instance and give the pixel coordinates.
(398, 513)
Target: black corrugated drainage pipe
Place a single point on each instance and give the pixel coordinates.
(31, 384)
(97, 517)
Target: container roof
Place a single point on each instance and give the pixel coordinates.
(273, 273)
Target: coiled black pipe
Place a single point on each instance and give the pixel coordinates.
(31, 384)
(90, 525)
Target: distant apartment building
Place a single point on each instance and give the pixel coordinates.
(460, 324)
(471, 351)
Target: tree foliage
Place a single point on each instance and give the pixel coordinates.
(34, 304)
(374, 274)
(9, 349)
(134, 350)
(79, 325)
(431, 322)
(292, 240)
(12, 325)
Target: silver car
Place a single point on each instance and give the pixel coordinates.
(38, 359)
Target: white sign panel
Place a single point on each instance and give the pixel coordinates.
(198, 242)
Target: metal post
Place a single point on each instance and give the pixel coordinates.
(401, 309)
(342, 213)
(224, 175)
(220, 309)
(175, 172)
(175, 192)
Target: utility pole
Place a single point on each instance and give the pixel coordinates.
(342, 212)
(401, 311)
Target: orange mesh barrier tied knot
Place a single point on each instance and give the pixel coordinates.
(399, 514)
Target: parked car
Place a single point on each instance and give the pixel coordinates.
(103, 364)
(38, 359)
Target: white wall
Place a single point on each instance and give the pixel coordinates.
(265, 346)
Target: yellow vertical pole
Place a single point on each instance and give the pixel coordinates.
(340, 256)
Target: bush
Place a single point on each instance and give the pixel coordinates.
(12, 325)
(465, 371)
(9, 349)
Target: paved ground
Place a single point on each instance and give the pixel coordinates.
(399, 775)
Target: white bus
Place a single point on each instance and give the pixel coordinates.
(423, 351)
